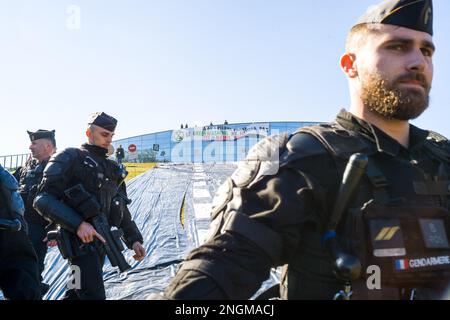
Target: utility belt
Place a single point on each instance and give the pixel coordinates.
(408, 243)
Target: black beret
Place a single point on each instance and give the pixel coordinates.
(412, 14)
(103, 120)
(42, 134)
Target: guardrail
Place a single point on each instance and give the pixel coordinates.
(13, 161)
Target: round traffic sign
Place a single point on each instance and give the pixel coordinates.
(132, 148)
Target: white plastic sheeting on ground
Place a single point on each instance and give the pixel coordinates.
(157, 200)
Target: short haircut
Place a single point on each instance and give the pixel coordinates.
(358, 35)
(91, 127)
(52, 141)
(94, 127)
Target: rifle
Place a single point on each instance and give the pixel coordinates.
(113, 246)
(86, 204)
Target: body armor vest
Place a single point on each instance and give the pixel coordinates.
(396, 221)
(100, 178)
(29, 180)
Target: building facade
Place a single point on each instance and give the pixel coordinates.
(207, 144)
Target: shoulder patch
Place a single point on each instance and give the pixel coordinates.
(438, 145)
(436, 137)
(262, 159)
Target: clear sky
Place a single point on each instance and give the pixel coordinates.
(155, 64)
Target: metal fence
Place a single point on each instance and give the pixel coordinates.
(13, 161)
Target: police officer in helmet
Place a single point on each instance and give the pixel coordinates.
(101, 179)
(354, 209)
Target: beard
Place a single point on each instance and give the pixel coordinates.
(391, 101)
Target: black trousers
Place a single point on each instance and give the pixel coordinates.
(19, 278)
(90, 264)
(37, 233)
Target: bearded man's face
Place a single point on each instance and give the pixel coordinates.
(396, 71)
(392, 100)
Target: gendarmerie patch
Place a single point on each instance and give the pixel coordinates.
(424, 263)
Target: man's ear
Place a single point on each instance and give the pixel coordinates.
(348, 65)
(88, 132)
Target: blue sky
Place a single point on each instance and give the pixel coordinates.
(156, 64)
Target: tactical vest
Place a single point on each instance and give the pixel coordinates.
(30, 178)
(100, 178)
(407, 238)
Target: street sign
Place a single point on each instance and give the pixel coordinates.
(132, 148)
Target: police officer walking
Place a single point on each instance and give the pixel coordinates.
(120, 154)
(88, 169)
(42, 147)
(357, 208)
(19, 278)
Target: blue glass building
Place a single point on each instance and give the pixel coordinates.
(212, 143)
